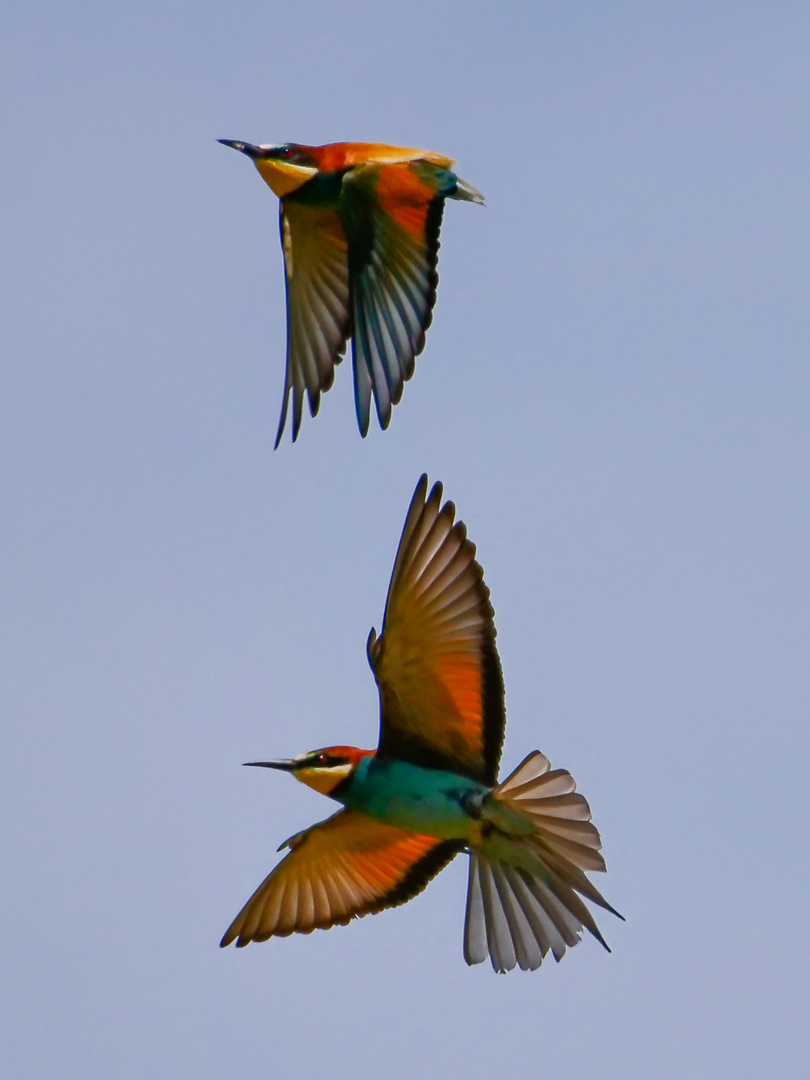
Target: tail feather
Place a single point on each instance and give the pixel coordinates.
(585, 857)
(580, 832)
(526, 774)
(573, 807)
(525, 950)
(567, 897)
(565, 922)
(475, 931)
(524, 892)
(499, 932)
(561, 817)
(514, 918)
(545, 933)
(571, 874)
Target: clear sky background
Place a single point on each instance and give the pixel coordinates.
(615, 394)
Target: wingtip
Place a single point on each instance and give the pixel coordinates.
(436, 493)
(282, 420)
(362, 411)
(420, 497)
(371, 641)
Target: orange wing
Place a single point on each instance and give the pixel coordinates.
(346, 866)
(436, 665)
(392, 214)
(318, 319)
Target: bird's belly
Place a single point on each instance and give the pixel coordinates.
(420, 800)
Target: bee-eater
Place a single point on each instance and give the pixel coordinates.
(430, 789)
(360, 234)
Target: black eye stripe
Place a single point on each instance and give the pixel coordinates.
(326, 761)
(292, 154)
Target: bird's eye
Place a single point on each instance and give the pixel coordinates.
(322, 759)
(286, 153)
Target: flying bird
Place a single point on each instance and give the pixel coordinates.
(360, 234)
(430, 790)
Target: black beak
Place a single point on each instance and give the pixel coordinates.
(286, 764)
(243, 147)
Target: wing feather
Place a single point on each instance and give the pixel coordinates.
(318, 306)
(436, 665)
(517, 919)
(392, 213)
(346, 866)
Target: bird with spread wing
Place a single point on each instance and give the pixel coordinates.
(430, 790)
(360, 234)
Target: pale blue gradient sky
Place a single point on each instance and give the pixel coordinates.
(615, 393)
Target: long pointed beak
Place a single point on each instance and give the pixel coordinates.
(242, 147)
(286, 764)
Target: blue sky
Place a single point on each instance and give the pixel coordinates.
(614, 392)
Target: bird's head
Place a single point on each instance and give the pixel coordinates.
(284, 168)
(322, 769)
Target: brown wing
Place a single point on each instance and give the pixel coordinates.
(346, 866)
(436, 665)
(318, 318)
(392, 215)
